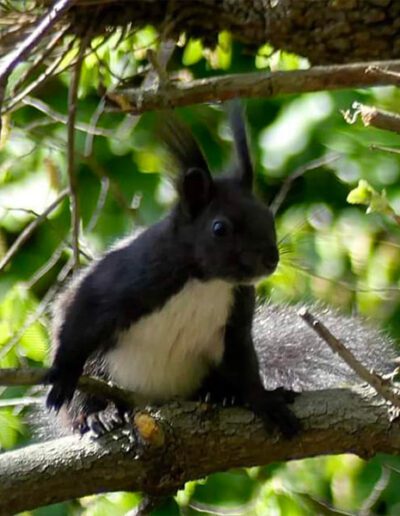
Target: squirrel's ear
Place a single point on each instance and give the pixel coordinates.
(195, 190)
(244, 169)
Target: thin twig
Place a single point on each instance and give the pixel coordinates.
(321, 507)
(36, 376)
(90, 129)
(380, 385)
(379, 487)
(104, 188)
(240, 510)
(115, 189)
(47, 266)
(17, 402)
(39, 59)
(93, 127)
(287, 184)
(72, 106)
(372, 116)
(16, 99)
(43, 26)
(384, 71)
(343, 284)
(27, 232)
(384, 148)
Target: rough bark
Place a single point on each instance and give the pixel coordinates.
(324, 31)
(196, 441)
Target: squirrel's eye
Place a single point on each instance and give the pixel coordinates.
(220, 228)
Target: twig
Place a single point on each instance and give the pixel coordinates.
(372, 116)
(287, 184)
(39, 59)
(101, 200)
(259, 84)
(90, 129)
(93, 127)
(17, 402)
(379, 487)
(16, 99)
(158, 70)
(27, 232)
(43, 26)
(384, 71)
(72, 105)
(36, 376)
(384, 148)
(240, 510)
(380, 385)
(53, 291)
(115, 189)
(343, 284)
(321, 507)
(56, 255)
(47, 266)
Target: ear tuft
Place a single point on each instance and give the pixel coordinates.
(180, 142)
(194, 183)
(195, 190)
(238, 128)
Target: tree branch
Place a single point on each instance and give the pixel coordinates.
(372, 116)
(197, 440)
(378, 383)
(259, 84)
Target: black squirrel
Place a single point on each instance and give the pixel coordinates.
(169, 313)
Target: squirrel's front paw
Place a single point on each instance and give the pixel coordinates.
(62, 390)
(272, 407)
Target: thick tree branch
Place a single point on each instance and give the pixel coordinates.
(324, 31)
(261, 84)
(196, 441)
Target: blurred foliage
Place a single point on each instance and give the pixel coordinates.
(331, 250)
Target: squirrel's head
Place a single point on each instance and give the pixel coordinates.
(231, 233)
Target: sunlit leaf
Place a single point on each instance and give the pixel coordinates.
(193, 52)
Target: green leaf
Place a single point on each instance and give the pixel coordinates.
(16, 308)
(193, 52)
(365, 194)
(10, 427)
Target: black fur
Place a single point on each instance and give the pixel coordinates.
(217, 230)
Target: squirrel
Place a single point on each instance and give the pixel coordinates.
(171, 313)
(168, 314)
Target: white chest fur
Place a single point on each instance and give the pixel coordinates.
(168, 353)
